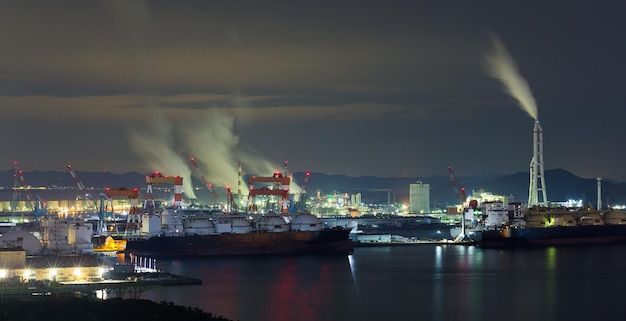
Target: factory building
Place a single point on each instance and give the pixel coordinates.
(419, 198)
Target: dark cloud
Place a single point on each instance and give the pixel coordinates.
(351, 87)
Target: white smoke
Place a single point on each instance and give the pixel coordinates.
(209, 137)
(155, 145)
(502, 67)
(212, 142)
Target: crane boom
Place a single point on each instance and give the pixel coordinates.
(454, 186)
(37, 205)
(81, 186)
(231, 200)
(208, 185)
(302, 187)
(19, 176)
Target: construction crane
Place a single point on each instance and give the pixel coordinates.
(208, 185)
(302, 190)
(36, 206)
(81, 187)
(231, 200)
(299, 204)
(462, 237)
(459, 197)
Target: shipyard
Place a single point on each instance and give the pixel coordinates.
(308, 161)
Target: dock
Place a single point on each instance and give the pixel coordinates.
(130, 287)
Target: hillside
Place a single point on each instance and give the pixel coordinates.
(561, 185)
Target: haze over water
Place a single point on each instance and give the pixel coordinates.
(425, 282)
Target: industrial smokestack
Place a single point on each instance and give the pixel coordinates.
(599, 193)
(537, 180)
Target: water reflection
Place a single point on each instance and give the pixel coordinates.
(407, 283)
(266, 288)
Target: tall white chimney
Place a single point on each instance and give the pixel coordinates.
(599, 193)
(537, 180)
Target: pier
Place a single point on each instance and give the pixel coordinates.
(130, 287)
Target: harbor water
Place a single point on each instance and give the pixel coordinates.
(420, 282)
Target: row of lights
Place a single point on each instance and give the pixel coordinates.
(53, 272)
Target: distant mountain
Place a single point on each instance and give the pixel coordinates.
(560, 185)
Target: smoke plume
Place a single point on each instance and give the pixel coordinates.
(502, 67)
(155, 145)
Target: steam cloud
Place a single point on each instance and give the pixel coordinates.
(502, 67)
(209, 138)
(155, 146)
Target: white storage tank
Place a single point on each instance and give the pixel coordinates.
(21, 239)
(241, 225)
(223, 225)
(198, 226)
(306, 222)
(272, 223)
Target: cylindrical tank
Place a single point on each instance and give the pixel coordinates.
(272, 223)
(535, 220)
(565, 220)
(241, 225)
(223, 225)
(306, 222)
(615, 218)
(198, 226)
(591, 219)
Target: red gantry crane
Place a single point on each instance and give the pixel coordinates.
(158, 179)
(133, 220)
(280, 187)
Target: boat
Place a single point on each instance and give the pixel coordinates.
(185, 232)
(421, 227)
(226, 234)
(558, 227)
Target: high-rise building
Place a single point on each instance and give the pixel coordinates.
(419, 198)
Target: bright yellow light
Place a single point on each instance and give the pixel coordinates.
(53, 272)
(28, 273)
(3, 274)
(77, 271)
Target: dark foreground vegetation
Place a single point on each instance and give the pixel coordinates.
(64, 309)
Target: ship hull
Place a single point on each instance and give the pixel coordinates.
(422, 231)
(553, 236)
(293, 242)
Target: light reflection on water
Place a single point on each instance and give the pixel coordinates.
(425, 282)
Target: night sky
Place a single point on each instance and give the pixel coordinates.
(361, 88)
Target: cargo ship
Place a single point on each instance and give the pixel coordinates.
(558, 227)
(422, 227)
(186, 232)
(225, 234)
